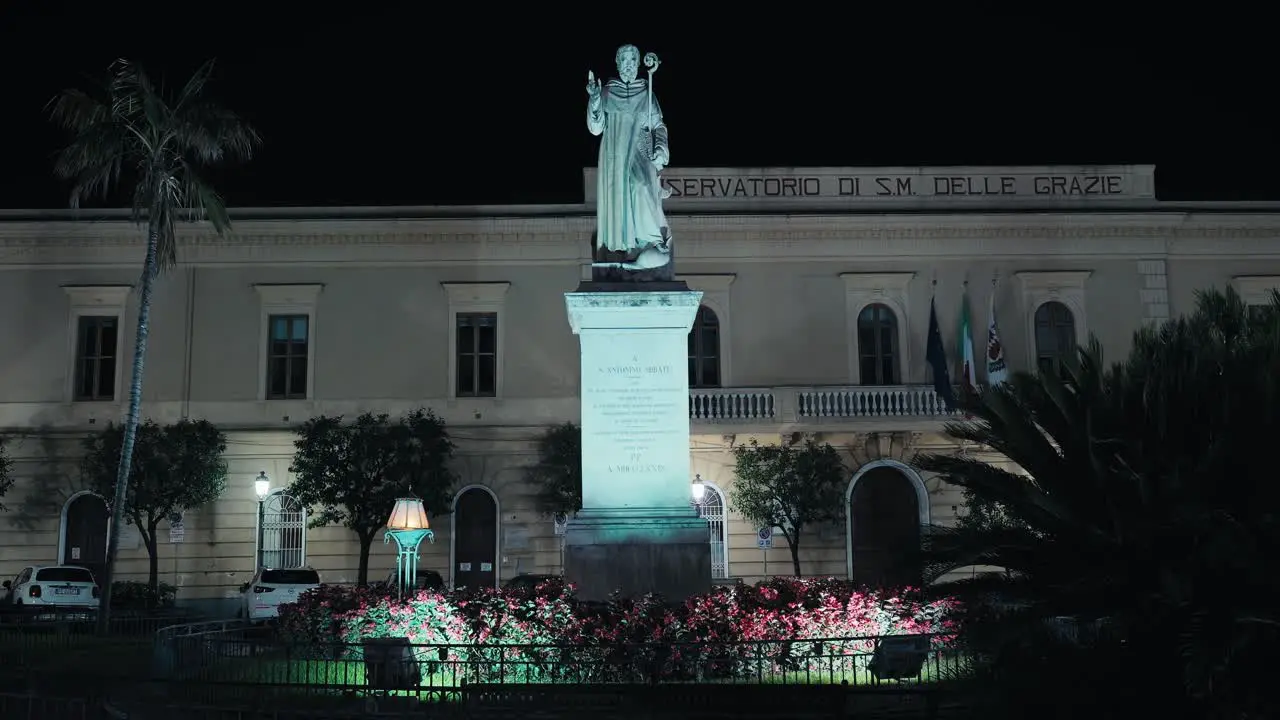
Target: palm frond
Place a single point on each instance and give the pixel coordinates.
(1148, 502)
(193, 90)
(76, 110)
(210, 134)
(130, 132)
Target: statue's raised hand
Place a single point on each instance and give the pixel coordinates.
(593, 85)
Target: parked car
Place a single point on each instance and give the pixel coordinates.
(527, 581)
(427, 580)
(52, 588)
(272, 587)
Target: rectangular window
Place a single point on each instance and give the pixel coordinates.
(287, 347)
(477, 354)
(96, 357)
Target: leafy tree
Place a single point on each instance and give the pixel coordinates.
(352, 473)
(789, 488)
(558, 472)
(6, 480)
(176, 467)
(131, 137)
(1148, 519)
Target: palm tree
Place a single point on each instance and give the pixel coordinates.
(130, 134)
(1147, 517)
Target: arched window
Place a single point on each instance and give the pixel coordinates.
(712, 509)
(282, 536)
(1055, 336)
(704, 350)
(878, 346)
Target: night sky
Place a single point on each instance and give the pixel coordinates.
(409, 106)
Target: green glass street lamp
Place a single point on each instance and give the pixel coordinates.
(408, 526)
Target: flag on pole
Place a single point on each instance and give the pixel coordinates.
(936, 355)
(968, 373)
(997, 370)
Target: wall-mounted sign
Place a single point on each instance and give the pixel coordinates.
(918, 186)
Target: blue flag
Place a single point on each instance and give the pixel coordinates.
(936, 355)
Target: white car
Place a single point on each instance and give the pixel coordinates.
(271, 588)
(51, 588)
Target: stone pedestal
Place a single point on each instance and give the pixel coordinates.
(638, 531)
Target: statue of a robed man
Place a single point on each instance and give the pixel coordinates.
(633, 241)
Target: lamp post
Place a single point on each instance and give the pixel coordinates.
(699, 489)
(261, 488)
(408, 526)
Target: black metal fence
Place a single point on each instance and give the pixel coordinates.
(227, 661)
(123, 624)
(232, 670)
(613, 701)
(49, 652)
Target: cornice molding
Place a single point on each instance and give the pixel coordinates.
(1053, 279)
(1256, 289)
(472, 293)
(89, 296)
(709, 283)
(873, 284)
(288, 294)
(703, 240)
(525, 229)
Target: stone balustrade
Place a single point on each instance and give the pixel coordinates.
(815, 404)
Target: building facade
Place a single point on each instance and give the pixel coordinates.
(817, 291)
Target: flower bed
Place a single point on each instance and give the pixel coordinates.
(545, 635)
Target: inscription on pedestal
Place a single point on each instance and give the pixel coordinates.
(635, 419)
(639, 415)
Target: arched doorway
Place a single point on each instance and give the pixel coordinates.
(283, 535)
(888, 506)
(712, 509)
(85, 520)
(475, 538)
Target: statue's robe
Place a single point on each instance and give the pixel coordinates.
(629, 213)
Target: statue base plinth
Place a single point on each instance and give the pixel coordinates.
(597, 286)
(636, 551)
(647, 265)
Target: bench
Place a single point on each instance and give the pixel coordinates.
(899, 657)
